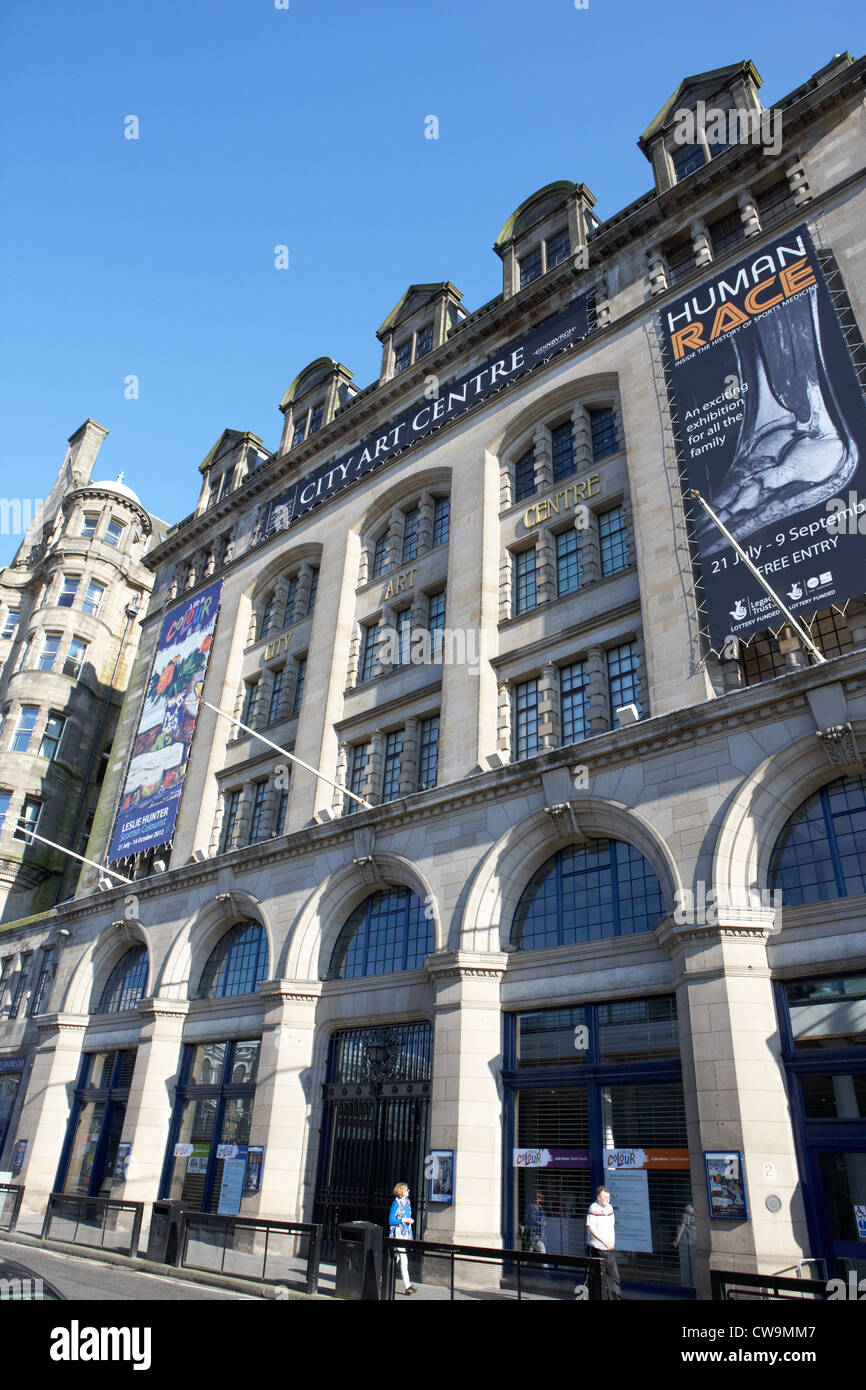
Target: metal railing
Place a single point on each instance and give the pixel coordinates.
(103, 1222)
(250, 1247)
(510, 1274)
(10, 1205)
(727, 1286)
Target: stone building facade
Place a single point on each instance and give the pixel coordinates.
(549, 948)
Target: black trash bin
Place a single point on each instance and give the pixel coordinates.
(164, 1238)
(359, 1260)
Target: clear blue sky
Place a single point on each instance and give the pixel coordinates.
(305, 127)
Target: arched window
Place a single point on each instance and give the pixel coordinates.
(584, 893)
(126, 983)
(821, 853)
(237, 962)
(388, 931)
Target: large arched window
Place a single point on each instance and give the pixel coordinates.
(126, 983)
(583, 893)
(237, 962)
(388, 931)
(821, 853)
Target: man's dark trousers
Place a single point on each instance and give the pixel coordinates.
(610, 1286)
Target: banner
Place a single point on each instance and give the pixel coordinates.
(772, 432)
(513, 361)
(154, 782)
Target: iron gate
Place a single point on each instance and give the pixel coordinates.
(376, 1116)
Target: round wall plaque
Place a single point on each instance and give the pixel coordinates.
(773, 1203)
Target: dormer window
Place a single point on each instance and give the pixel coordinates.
(403, 357)
(558, 249)
(424, 341)
(300, 432)
(530, 268)
(686, 159)
(316, 417)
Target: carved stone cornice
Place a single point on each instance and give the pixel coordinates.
(563, 820)
(290, 991)
(443, 965)
(732, 924)
(162, 1008)
(62, 1023)
(840, 745)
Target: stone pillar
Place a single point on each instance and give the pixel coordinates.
(354, 657)
(792, 649)
(281, 1114)
(735, 1092)
(302, 595)
(425, 523)
(340, 776)
(543, 459)
(549, 721)
(590, 549)
(375, 769)
(408, 782)
(216, 832)
(700, 242)
(47, 1105)
(597, 698)
(151, 1095)
(798, 183)
(656, 271)
(467, 1093)
(244, 817)
(396, 528)
(506, 583)
(504, 718)
(749, 213)
(506, 487)
(263, 703)
(509, 273)
(545, 560)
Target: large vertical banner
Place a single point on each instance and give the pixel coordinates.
(154, 782)
(771, 421)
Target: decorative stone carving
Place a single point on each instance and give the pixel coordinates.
(563, 820)
(840, 745)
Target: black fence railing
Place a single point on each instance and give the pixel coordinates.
(10, 1205)
(479, 1272)
(730, 1287)
(102, 1222)
(249, 1247)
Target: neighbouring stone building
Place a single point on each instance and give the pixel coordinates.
(549, 947)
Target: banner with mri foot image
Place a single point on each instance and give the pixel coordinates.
(154, 780)
(771, 423)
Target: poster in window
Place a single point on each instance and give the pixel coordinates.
(160, 754)
(440, 1173)
(770, 422)
(121, 1162)
(19, 1153)
(255, 1164)
(726, 1186)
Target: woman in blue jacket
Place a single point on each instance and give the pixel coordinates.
(401, 1222)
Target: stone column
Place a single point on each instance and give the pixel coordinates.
(792, 649)
(597, 698)
(509, 273)
(543, 459)
(354, 657)
(700, 242)
(425, 523)
(656, 271)
(749, 213)
(798, 183)
(47, 1104)
(151, 1096)
(302, 595)
(735, 1092)
(506, 583)
(549, 721)
(582, 435)
(590, 548)
(340, 776)
(244, 817)
(467, 1093)
(545, 567)
(506, 487)
(504, 718)
(408, 782)
(281, 1114)
(216, 832)
(396, 528)
(375, 769)
(263, 703)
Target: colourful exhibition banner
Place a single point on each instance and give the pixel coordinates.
(154, 780)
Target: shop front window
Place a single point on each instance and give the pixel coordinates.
(208, 1162)
(96, 1124)
(594, 1094)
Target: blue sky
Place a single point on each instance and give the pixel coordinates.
(305, 127)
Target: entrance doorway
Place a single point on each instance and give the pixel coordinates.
(376, 1120)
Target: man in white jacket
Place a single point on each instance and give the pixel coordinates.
(600, 1236)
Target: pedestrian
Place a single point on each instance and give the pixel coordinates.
(536, 1225)
(401, 1222)
(600, 1237)
(685, 1244)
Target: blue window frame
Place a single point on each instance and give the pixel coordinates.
(251, 700)
(314, 589)
(428, 753)
(237, 962)
(267, 614)
(316, 419)
(524, 476)
(526, 743)
(613, 541)
(567, 562)
(403, 356)
(357, 776)
(821, 852)
(601, 889)
(574, 689)
(299, 685)
(404, 636)
(530, 267)
(623, 673)
(291, 595)
(423, 341)
(686, 159)
(441, 520)
(380, 555)
(276, 693)
(558, 249)
(410, 536)
(602, 425)
(436, 623)
(126, 983)
(282, 804)
(525, 581)
(299, 432)
(96, 1124)
(562, 448)
(232, 802)
(21, 983)
(387, 932)
(260, 792)
(214, 1104)
(393, 761)
(24, 728)
(369, 664)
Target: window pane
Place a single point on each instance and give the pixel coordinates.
(524, 476)
(530, 268)
(828, 1012)
(428, 755)
(525, 581)
(603, 429)
(526, 720)
(236, 964)
(410, 536)
(567, 563)
(441, 520)
(558, 249)
(562, 445)
(613, 541)
(126, 983)
(388, 932)
(624, 677)
(574, 687)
